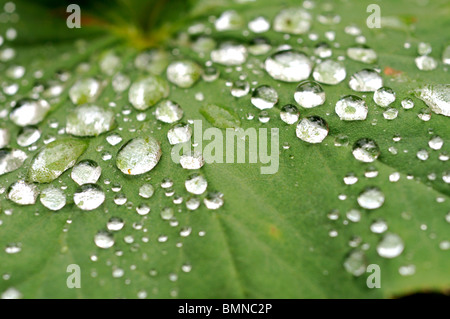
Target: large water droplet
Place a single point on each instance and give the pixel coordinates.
(53, 198)
(104, 239)
(23, 193)
(196, 184)
(365, 81)
(366, 150)
(362, 54)
(28, 135)
(355, 263)
(85, 91)
(329, 72)
(29, 112)
(229, 20)
(371, 198)
(147, 92)
(289, 114)
(309, 94)
(384, 96)
(55, 158)
(351, 108)
(88, 197)
(312, 129)
(89, 120)
(213, 200)
(168, 112)
(184, 73)
(426, 63)
(86, 172)
(180, 133)
(229, 53)
(11, 159)
(288, 66)
(264, 97)
(436, 96)
(293, 20)
(390, 246)
(139, 155)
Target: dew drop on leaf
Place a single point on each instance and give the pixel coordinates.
(138, 155)
(88, 197)
(309, 94)
(312, 129)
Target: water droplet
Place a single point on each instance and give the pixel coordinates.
(146, 190)
(240, 88)
(53, 198)
(120, 82)
(436, 143)
(293, 20)
(355, 263)
(259, 25)
(194, 160)
(351, 108)
(426, 63)
(147, 92)
(309, 94)
(115, 224)
(354, 215)
(371, 198)
(390, 246)
(89, 120)
(104, 239)
(29, 112)
(365, 81)
(394, 177)
(184, 73)
(229, 20)
(23, 193)
(350, 179)
(378, 226)
(13, 248)
(329, 72)
(86, 172)
(138, 155)
(180, 133)
(366, 150)
(362, 54)
(312, 129)
(11, 293)
(288, 66)
(28, 135)
(289, 114)
(89, 197)
(407, 103)
(11, 159)
(196, 184)
(167, 213)
(55, 158)
(390, 114)
(384, 96)
(113, 139)
(436, 96)
(264, 97)
(168, 112)
(85, 91)
(407, 270)
(213, 200)
(229, 53)
(422, 155)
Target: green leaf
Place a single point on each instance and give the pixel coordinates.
(282, 235)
